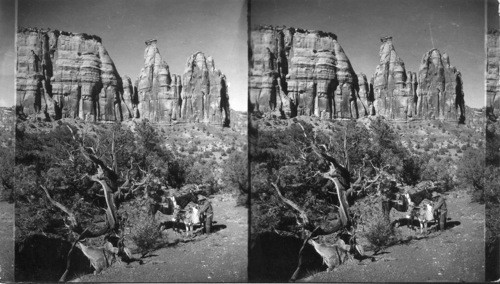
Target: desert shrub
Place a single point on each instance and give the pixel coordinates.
(472, 172)
(428, 146)
(235, 175)
(7, 174)
(438, 170)
(442, 151)
(411, 170)
(380, 233)
(146, 236)
(202, 172)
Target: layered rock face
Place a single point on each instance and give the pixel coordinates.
(393, 87)
(440, 88)
(492, 72)
(204, 92)
(158, 92)
(298, 72)
(365, 96)
(61, 74)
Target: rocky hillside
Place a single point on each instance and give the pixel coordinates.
(306, 72)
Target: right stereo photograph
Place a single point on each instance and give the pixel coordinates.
(369, 159)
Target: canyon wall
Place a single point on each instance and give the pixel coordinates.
(393, 87)
(204, 96)
(61, 74)
(440, 88)
(158, 91)
(67, 75)
(300, 72)
(492, 73)
(306, 72)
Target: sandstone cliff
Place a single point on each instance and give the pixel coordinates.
(492, 72)
(158, 94)
(204, 91)
(393, 86)
(440, 88)
(298, 72)
(61, 74)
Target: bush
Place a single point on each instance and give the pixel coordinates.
(381, 233)
(472, 172)
(147, 237)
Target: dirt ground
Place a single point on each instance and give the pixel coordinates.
(6, 242)
(218, 257)
(455, 255)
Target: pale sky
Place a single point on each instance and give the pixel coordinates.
(453, 26)
(218, 28)
(7, 53)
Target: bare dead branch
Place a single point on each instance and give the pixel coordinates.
(302, 213)
(110, 203)
(71, 215)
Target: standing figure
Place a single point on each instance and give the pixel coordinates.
(206, 213)
(439, 209)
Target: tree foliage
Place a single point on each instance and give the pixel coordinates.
(54, 159)
(472, 172)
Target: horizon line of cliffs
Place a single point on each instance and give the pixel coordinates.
(306, 72)
(66, 75)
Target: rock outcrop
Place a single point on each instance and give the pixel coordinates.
(204, 91)
(492, 73)
(157, 90)
(440, 88)
(299, 72)
(393, 86)
(365, 98)
(61, 74)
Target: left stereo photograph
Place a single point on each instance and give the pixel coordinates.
(7, 123)
(131, 141)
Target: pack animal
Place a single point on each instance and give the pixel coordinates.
(190, 217)
(425, 215)
(172, 203)
(167, 207)
(404, 202)
(183, 200)
(333, 255)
